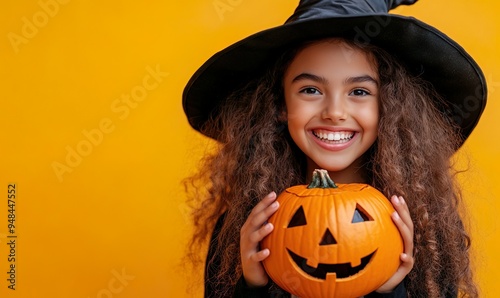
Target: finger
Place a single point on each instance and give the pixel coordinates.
(258, 219)
(405, 231)
(402, 208)
(266, 201)
(258, 235)
(260, 255)
(405, 266)
(407, 262)
(255, 218)
(406, 258)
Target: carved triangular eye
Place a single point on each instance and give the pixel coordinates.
(298, 219)
(360, 215)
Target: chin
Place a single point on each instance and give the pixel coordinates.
(332, 167)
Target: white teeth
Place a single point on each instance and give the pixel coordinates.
(335, 136)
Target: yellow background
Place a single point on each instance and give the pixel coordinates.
(113, 223)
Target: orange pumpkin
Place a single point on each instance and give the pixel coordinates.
(332, 241)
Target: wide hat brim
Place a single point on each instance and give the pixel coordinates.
(426, 52)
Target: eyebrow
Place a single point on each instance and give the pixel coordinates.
(360, 79)
(323, 80)
(308, 76)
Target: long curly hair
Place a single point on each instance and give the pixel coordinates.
(411, 158)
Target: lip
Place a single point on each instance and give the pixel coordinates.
(333, 147)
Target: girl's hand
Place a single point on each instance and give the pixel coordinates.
(252, 232)
(402, 219)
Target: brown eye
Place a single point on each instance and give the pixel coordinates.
(360, 215)
(310, 90)
(298, 218)
(360, 92)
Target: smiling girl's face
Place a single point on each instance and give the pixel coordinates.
(332, 97)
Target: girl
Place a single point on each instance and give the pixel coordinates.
(319, 92)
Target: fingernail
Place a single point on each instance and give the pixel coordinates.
(395, 215)
(275, 204)
(402, 200)
(396, 199)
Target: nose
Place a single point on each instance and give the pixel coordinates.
(335, 108)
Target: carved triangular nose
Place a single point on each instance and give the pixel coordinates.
(328, 238)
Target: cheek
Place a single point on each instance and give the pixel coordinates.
(297, 133)
(300, 111)
(293, 108)
(295, 117)
(369, 118)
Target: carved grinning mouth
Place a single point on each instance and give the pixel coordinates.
(341, 270)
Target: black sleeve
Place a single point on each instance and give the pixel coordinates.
(398, 292)
(242, 290)
(211, 268)
(451, 292)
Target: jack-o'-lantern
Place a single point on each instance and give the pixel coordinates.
(332, 240)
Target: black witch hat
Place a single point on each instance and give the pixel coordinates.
(426, 51)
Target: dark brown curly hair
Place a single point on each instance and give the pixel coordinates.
(411, 158)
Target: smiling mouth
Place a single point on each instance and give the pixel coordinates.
(341, 270)
(334, 137)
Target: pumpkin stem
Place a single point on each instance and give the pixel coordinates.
(321, 179)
